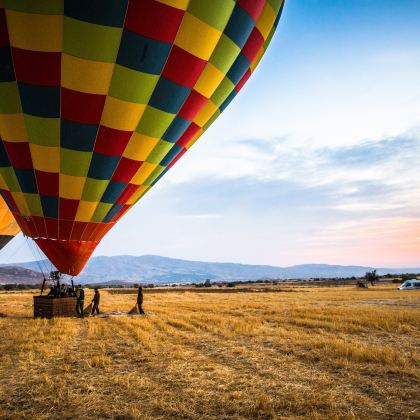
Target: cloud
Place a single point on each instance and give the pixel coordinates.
(381, 175)
(378, 152)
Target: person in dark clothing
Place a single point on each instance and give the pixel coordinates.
(80, 301)
(140, 300)
(95, 301)
(53, 292)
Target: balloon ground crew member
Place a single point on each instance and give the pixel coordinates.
(95, 301)
(140, 301)
(80, 295)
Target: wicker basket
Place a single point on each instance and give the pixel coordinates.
(50, 307)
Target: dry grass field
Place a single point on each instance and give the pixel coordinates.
(298, 353)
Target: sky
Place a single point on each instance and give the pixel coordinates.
(317, 160)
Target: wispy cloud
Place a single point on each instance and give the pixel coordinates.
(373, 175)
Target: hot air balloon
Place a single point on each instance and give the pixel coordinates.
(8, 226)
(100, 98)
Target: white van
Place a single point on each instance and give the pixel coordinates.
(411, 284)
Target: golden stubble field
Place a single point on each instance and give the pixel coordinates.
(298, 353)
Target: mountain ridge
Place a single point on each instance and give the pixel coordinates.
(164, 270)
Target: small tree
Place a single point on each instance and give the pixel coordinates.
(371, 277)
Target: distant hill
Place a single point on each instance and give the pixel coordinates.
(19, 275)
(163, 270)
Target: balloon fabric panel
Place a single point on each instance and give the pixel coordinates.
(99, 99)
(8, 226)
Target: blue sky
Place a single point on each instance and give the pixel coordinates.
(316, 161)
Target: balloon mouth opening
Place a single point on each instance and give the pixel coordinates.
(68, 256)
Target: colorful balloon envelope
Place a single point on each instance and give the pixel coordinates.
(8, 226)
(100, 98)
